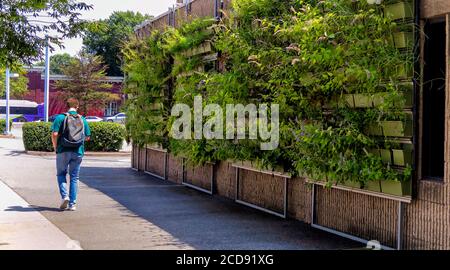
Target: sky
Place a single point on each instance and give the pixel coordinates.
(103, 8)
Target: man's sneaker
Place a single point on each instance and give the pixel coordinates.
(64, 204)
(72, 208)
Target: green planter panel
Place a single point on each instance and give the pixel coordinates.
(352, 184)
(403, 157)
(363, 100)
(349, 100)
(397, 128)
(400, 10)
(374, 129)
(386, 156)
(373, 186)
(405, 71)
(396, 188)
(403, 40)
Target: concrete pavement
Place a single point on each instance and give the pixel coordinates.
(23, 227)
(122, 209)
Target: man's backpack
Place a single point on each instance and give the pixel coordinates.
(72, 134)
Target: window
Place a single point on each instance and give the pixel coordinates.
(111, 109)
(433, 101)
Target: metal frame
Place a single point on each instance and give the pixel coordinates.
(285, 199)
(399, 230)
(183, 178)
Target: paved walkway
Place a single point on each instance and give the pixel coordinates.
(23, 227)
(122, 209)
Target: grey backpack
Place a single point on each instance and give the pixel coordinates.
(72, 131)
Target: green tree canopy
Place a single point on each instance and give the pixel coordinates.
(18, 86)
(106, 37)
(87, 82)
(58, 62)
(24, 24)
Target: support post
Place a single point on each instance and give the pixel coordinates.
(7, 86)
(46, 79)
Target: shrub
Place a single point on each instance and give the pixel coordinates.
(105, 137)
(3, 125)
(37, 136)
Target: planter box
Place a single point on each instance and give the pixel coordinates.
(363, 100)
(373, 186)
(408, 91)
(396, 188)
(378, 98)
(385, 155)
(351, 184)
(402, 157)
(403, 40)
(374, 129)
(398, 11)
(397, 128)
(349, 100)
(405, 71)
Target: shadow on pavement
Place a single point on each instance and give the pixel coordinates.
(202, 221)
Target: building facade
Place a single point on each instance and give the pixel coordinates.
(36, 86)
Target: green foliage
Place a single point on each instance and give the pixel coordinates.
(304, 55)
(105, 137)
(58, 62)
(3, 125)
(37, 136)
(148, 68)
(18, 86)
(23, 25)
(106, 37)
(87, 82)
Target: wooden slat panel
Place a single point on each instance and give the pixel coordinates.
(434, 8)
(155, 162)
(199, 176)
(225, 179)
(174, 169)
(263, 190)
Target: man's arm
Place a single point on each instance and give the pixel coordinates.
(87, 130)
(55, 139)
(55, 131)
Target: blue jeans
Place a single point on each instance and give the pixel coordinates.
(71, 161)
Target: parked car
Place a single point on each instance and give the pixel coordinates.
(93, 119)
(118, 118)
(51, 118)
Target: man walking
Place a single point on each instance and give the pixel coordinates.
(69, 131)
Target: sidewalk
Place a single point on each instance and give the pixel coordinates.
(23, 227)
(122, 209)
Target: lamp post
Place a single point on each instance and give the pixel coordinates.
(7, 86)
(47, 79)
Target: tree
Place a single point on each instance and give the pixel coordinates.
(18, 86)
(106, 37)
(58, 62)
(86, 82)
(24, 24)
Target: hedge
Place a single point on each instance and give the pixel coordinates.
(3, 125)
(105, 137)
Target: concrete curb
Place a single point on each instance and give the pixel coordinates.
(87, 154)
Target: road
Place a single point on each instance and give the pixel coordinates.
(122, 209)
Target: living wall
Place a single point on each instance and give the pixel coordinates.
(333, 67)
